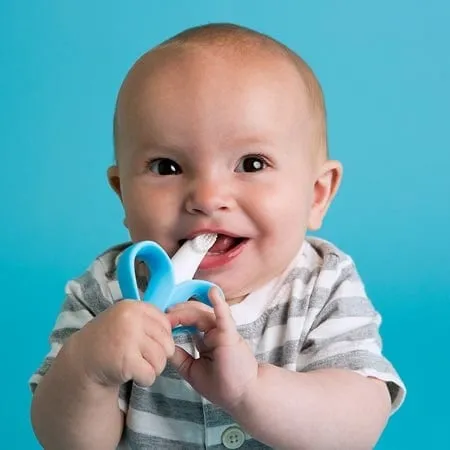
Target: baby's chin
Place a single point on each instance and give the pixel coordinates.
(233, 294)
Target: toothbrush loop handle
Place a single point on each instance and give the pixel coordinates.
(162, 281)
(161, 291)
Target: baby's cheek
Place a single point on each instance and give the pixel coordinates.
(284, 209)
(140, 223)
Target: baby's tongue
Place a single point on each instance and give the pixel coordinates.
(223, 244)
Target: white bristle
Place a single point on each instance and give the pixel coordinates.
(203, 242)
(186, 260)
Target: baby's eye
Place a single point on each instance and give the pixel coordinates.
(164, 166)
(251, 163)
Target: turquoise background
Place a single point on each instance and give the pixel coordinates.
(385, 69)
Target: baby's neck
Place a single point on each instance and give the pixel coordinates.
(236, 300)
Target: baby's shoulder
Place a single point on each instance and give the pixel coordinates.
(321, 270)
(320, 254)
(100, 275)
(106, 262)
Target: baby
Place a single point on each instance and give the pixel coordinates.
(221, 129)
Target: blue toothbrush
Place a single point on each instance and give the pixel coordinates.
(170, 280)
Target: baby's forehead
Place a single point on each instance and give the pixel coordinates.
(173, 69)
(249, 59)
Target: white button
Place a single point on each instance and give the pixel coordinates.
(233, 437)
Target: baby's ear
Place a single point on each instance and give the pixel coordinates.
(114, 180)
(325, 188)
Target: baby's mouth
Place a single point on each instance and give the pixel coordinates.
(224, 244)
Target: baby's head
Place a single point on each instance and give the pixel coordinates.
(223, 129)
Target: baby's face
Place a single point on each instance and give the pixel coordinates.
(209, 145)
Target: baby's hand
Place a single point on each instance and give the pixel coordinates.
(129, 341)
(226, 367)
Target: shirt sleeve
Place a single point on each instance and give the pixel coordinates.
(344, 333)
(85, 298)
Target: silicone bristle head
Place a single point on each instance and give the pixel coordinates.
(203, 242)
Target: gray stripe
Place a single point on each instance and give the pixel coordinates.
(273, 317)
(146, 401)
(394, 390)
(330, 255)
(62, 334)
(319, 296)
(143, 441)
(345, 307)
(170, 372)
(331, 261)
(354, 360)
(48, 361)
(348, 273)
(280, 356)
(125, 391)
(301, 273)
(250, 444)
(73, 304)
(281, 313)
(215, 416)
(369, 331)
(93, 300)
(108, 259)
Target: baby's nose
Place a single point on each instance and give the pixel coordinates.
(208, 197)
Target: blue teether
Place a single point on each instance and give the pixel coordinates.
(162, 291)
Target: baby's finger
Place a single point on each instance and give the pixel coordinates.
(155, 355)
(202, 320)
(157, 332)
(182, 362)
(154, 313)
(224, 318)
(191, 304)
(144, 374)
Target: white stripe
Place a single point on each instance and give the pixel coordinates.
(73, 288)
(97, 270)
(35, 379)
(54, 350)
(309, 320)
(336, 326)
(123, 405)
(165, 427)
(114, 288)
(278, 335)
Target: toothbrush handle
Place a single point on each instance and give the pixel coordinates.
(162, 290)
(196, 289)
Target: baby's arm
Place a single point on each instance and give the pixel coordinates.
(319, 408)
(341, 394)
(344, 389)
(69, 411)
(326, 409)
(76, 404)
(98, 345)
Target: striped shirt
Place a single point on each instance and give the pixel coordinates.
(315, 315)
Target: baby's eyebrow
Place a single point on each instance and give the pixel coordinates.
(251, 140)
(154, 148)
